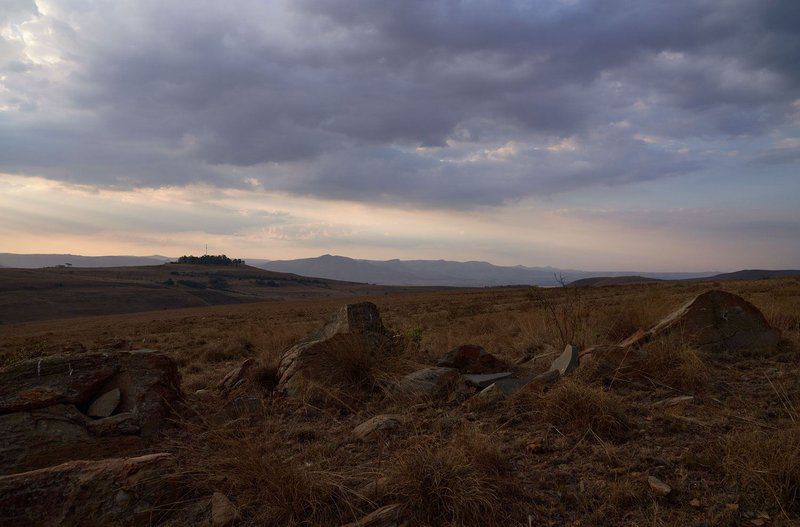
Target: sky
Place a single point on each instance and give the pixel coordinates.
(592, 134)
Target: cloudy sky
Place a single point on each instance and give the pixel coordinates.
(600, 134)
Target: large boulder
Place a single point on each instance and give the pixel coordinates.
(469, 358)
(714, 319)
(334, 355)
(56, 408)
(88, 493)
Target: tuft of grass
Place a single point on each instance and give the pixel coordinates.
(766, 464)
(675, 366)
(573, 406)
(463, 481)
(270, 484)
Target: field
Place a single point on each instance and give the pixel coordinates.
(578, 452)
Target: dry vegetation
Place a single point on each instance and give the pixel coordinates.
(576, 453)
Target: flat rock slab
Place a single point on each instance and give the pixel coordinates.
(124, 491)
(567, 361)
(482, 380)
(430, 381)
(105, 405)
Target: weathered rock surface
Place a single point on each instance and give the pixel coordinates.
(45, 404)
(430, 381)
(87, 493)
(236, 376)
(356, 331)
(714, 319)
(470, 358)
(377, 425)
(105, 405)
(567, 361)
(223, 512)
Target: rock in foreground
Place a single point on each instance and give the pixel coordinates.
(54, 405)
(88, 493)
(714, 319)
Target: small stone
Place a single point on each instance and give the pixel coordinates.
(567, 361)
(105, 405)
(223, 512)
(694, 502)
(674, 401)
(378, 424)
(658, 486)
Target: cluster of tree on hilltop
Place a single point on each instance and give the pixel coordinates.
(210, 259)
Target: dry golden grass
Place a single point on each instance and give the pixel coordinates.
(465, 480)
(766, 464)
(298, 464)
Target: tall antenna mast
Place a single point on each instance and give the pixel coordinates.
(206, 250)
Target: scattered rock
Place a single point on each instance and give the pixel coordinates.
(470, 358)
(714, 319)
(44, 404)
(104, 405)
(377, 425)
(236, 376)
(694, 502)
(125, 491)
(387, 516)
(658, 487)
(567, 361)
(375, 489)
(223, 512)
(356, 331)
(430, 381)
(674, 401)
(482, 380)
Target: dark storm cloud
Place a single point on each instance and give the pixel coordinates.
(436, 102)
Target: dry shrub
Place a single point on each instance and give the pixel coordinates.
(573, 406)
(226, 349)
(674, 366)
(766, 464)
(271, 485)
(463, 481)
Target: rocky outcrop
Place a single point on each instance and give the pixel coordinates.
(355, 335)
(88, 493)
(54, 407)
(716, 320)
(469, 358)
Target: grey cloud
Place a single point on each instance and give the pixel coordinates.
(332, 98)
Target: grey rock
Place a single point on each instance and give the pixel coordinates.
(482, 380)
(105, 405)
(658, 487)
(430, 381)
(376, 425)
(567, 361)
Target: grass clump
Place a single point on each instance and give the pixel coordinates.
(574, 406)
(766, 464)
(676, 367)
(463, 481)
(271, 485)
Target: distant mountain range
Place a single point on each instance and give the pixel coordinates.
(34, 261)
(404, 272)
(440, 272)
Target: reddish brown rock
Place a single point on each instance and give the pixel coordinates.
(54, 425)
(716, 320)
(469, 358)
(88, 493)
(355, 335)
